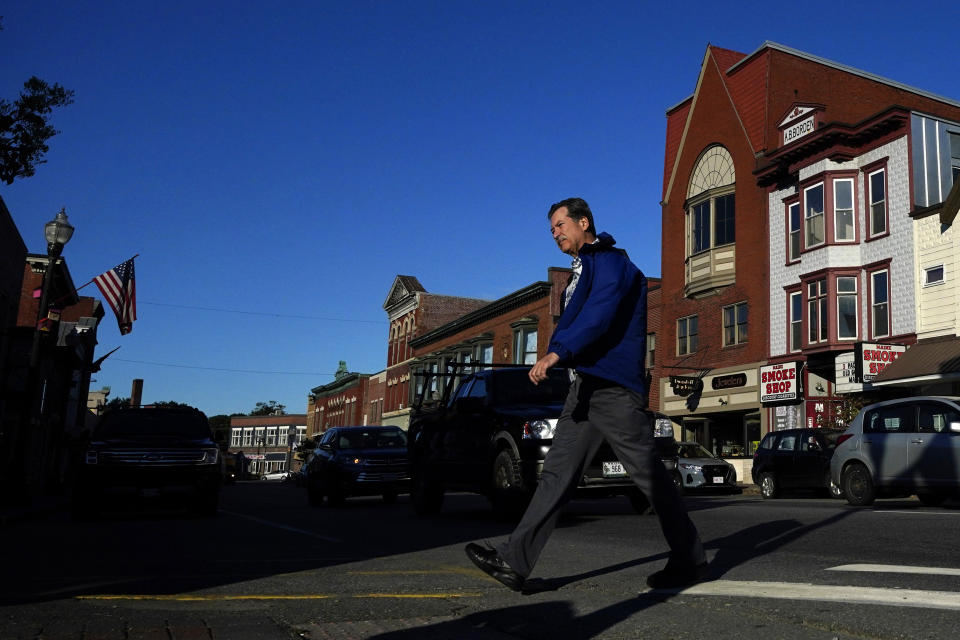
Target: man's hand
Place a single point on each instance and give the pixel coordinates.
(539, 371)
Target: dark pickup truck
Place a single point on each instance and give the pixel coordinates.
(488, 432)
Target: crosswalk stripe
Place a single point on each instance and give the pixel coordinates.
(828, 593)
(896, 568)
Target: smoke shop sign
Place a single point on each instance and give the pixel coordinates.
(872, 358)
(779, 382)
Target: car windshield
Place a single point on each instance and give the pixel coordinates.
(372, 439)
(135, 424)
(690, 450)
(514, 387)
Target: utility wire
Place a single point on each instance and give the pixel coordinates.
(190, 366)
(259, 313)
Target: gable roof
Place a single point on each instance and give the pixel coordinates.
(402, 287)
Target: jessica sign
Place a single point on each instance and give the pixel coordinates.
(779, 382)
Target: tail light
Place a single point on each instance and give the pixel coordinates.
(843, 438)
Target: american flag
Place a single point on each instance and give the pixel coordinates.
(119, 288)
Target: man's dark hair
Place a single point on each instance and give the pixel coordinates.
(577, 208)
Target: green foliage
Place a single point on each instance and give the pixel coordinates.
(172, 403)
(268, 409)
(25, 127)
(116, 403)
(305, 447)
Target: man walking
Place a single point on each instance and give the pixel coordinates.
(601, 337)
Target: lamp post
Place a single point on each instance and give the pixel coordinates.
(58, 233)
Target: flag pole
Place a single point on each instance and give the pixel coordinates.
(94, 278)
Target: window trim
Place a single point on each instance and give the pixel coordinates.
(867, 171)
(926, 275)
(853, 209)
(856, 296)
(686, 338)
(736, 324)
(807, 247)
(871, 324)
(710, 196)
(789, 203)
(792, 291)
(826, 180)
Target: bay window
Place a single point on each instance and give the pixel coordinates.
(847, 308)
(817, 318)
(813, 216)
(796, 320)
(880, 303)
(793, 220)
(843, 219)
(877, 194)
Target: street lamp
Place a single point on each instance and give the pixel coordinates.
(58, 233)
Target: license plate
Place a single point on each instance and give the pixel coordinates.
(717, 479)
(613, 470)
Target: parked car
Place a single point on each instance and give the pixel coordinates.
(901, 447)
(795, 459)
(162, 453)
(358, 461)
(488, 432)
(696, 468)
(276, 475)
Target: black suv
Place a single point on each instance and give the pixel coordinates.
(162, 453)
(491, 435)
(795, 459)
(358, 461)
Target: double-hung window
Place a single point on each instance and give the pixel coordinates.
(735, 324)
(847, 308)
(813, 216)
(877, 193)
(793, 219)
(843, 218)
(817, 318)
(880, 303)
(651, 350)
(687, 334)
(796, 320)
(525, 345)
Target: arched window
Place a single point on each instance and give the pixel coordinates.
(711, 221)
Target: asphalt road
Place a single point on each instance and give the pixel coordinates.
(269, 566)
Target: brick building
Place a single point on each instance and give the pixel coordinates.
(265, 444)
(789, 182)
(412, 312)
(13, 255)
(343, 402)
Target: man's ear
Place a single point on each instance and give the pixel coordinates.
(584, 223)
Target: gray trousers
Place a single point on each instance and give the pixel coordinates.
(594, 410)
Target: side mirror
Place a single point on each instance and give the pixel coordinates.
(326, 446)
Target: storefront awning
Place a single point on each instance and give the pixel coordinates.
(927, 362)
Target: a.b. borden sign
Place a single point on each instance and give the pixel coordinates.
(779, 382)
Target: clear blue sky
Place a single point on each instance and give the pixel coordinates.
(281, 162)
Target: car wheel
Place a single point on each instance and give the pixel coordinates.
(389, 497)
(858, 485)
(314, 495)
(769, 488)
(336, 495)
(640, 503)
(932, 499)
(678, 482)
(425, 495)
(508, 494)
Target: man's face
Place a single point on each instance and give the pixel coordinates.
(569, 234)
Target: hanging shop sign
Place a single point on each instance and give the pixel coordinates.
(686, 385)
(780, 382)
(729, 381)
(872, 358)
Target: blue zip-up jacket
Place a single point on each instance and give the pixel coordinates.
(603, 330)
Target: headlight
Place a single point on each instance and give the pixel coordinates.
(91, 457)
(210, 456)
(686, 466)
(539, 429)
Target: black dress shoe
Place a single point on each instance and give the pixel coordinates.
(490, 562)
(676, 577)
